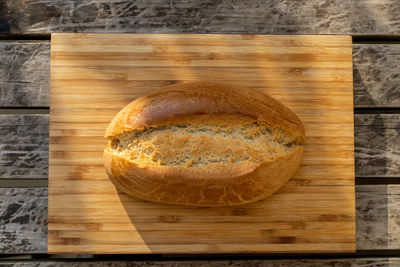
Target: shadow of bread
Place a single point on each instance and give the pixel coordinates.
(171, 228)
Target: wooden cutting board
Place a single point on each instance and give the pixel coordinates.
(94, 75)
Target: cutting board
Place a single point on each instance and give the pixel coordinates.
(94, 75)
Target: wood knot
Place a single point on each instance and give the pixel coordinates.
(296, 71)
(211, 56)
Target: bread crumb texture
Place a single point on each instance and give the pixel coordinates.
(202, 139)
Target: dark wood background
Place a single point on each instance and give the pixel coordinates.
(25, 28)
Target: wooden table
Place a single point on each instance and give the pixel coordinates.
(24, 102)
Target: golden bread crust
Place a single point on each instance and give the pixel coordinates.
(204, 97)
(175, 185)
(216, 182)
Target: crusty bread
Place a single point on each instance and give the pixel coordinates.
(203, 144)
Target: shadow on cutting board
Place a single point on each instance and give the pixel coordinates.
(303, 216)
(168, 228)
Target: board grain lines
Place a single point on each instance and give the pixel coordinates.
(375, 71)
(179, 16)
(94, 75)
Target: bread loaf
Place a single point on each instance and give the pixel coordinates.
(203, 144)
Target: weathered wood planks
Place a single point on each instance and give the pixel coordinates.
(376, 85)
(24, 73)
(378, 210)
(377, 145)
(376, 69)
(179, 16)
(24, 146)
(23, 220)
(375, 17)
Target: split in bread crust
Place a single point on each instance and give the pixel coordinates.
(218, 155)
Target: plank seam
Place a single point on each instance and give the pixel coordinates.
(376, 110)
(16, 36)
(25, 110)
(357, 39)
(376, 39)
(377, 180)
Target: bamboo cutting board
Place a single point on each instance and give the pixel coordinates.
(94, 75)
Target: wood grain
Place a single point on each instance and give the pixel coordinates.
(24, 73)
(378, 226)
(90, 85)
(377, 144)
(372, 62)
(375, 17)
(23, 220)
(179, 16)
(24, 146)
(376, 75)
